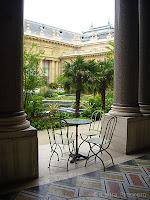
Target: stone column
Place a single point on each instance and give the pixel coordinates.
(12, 116)
(53, 71)
(60, 67)
(18, 141)
(50, 69)
(126, 70)
(132, 130)
(57, 69)
(144, 53)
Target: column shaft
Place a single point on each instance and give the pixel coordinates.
(11, 71)
(53, 71)
(126, 58)
(144, 52)
(18, 140)
(57, 69)
(11, 62)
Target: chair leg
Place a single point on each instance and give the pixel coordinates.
(96, 155)
(89, 154)
(101, 161)
(52, 155)
(109, 155)
(83, 140)
(60, 150)
(68, 162)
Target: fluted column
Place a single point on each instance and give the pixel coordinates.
(12, 116)
(126, 59)
(144, 53)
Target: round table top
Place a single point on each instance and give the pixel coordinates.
(78, 121)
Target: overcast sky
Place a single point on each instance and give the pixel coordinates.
(72, 15)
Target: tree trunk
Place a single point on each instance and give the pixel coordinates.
(103, 95)
(77, 103)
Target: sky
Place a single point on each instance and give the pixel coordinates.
(71, 15)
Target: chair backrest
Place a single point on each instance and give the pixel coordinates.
(97, 119)
(56, 127)
(108, 130)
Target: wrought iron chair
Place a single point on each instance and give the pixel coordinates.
(103, 141)
(94, 128)
(59, 136)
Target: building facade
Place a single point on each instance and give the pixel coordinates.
(60, 45)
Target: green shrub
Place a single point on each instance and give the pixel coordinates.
(87, 113)
(48, 93)
(109, 101)
(95, 101)
(53, 85)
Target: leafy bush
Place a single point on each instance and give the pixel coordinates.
(109, 101)
(53, 85)
(62, 97)
(87, 113)
(48, 93)
(36, 109)
(32, 78)
(95, 101)
(85, 105)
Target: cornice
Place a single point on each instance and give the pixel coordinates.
(54, 41)
(71, 43)
(90, 54)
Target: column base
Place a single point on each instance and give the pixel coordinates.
(145, 109)
(131, 134)
(19, 155)
(125, 111)
(13, 122)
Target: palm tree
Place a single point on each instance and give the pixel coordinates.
(103, 78)
(76, 77)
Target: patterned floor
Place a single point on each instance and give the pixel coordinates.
(129, 180)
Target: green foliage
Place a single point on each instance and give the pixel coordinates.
(87, 113)
(35, 112)
(76, 76)
(110, 54)
(109, 101)
(53, 108)
(111, 49)
(53, 85)
(103, 78)
(32, 78)
(66, 115)
(63, 97)
(35, 107)
(48, 93)
(85, 105)
(95, 101)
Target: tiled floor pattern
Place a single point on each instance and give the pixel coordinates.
(61, 166)
(129, 180)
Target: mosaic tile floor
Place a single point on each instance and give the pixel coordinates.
(129, 180)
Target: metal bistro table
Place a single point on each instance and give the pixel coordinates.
(77, 122)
